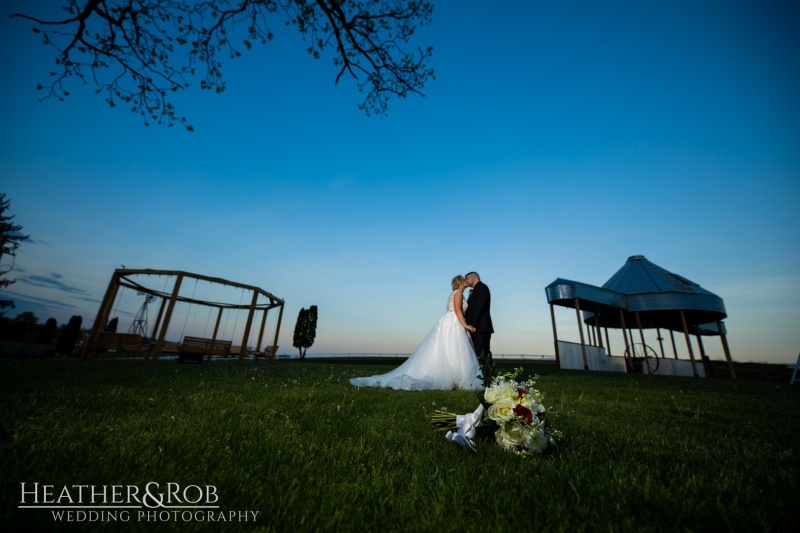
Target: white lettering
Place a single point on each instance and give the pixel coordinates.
(47, 491)
(172, 491)
(211, 490)
(34, 493)
(80, 491)
(187, 499)
(96, 494)
(133, 494)
(65, 495)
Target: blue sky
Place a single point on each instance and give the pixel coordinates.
(558, 139)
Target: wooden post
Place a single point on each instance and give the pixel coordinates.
(217, 323)
(624, 337)
(170, 307)
(248, 326)
(674, 346)
(706, 361)
(689, 343)
(580, 328)
(555, 335)
(277, 331)
(608, 343)
(597, 329)
(154, 332)
(88, 351)
(660, 342)
(261, 331)
(726, 348)
(641, 332)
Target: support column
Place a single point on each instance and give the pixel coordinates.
(608, 344)
(154, 333)
(88, 351)
(641, 332)
(689, 343)
(624, 337)
(217, 323)
(660, 342)
(248, 326)
(580, 328)
(555, 335)
(724, 338)
(674, 346)
(261, 331)
(170, 307)
(277, 331)
(597, 329)
(706, 361)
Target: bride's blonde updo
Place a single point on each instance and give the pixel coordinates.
(457, 281)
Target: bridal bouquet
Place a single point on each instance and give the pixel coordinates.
(516, 412)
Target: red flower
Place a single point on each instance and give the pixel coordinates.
(524, 413)
(470, 291)
(520, 392)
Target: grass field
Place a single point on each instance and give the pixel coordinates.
(294, 447)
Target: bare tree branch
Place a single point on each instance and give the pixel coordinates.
(138, 52)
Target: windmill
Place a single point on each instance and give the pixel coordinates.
(139, 324)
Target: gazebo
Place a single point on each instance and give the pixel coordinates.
(641, 295)
(257, 306)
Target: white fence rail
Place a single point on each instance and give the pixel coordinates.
(523, 357)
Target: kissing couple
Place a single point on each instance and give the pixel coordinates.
(455, 354)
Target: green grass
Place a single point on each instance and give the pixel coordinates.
(307, 451)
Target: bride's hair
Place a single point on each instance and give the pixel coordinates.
(457, 281)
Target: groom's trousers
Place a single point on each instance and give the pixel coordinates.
(481, 342)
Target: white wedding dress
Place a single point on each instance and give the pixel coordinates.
(444, 360)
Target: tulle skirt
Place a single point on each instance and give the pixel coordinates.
(444, 360)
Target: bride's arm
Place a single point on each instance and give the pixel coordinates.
(458, 303)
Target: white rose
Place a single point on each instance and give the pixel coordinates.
(510, 436)
(502, 410)
(490, 395)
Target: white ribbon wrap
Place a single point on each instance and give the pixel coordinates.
(466, 425)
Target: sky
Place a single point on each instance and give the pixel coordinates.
(557, 140)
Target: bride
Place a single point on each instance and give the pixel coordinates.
(444, 360)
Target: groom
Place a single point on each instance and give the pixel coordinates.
(478, 316)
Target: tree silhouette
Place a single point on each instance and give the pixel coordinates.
(138, 52)
(10, 239)
(69, 336)
(47, 332)
(305, 330)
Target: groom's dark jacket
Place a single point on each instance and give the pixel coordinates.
(478, 314)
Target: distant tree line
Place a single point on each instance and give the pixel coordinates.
(25, 327)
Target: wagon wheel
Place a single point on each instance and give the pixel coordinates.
(645, 355)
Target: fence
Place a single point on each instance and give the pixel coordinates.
(523, 357)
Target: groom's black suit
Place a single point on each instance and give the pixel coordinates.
(478, 315)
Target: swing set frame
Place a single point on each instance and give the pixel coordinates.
(261, 303)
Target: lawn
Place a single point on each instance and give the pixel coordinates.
(294, 447)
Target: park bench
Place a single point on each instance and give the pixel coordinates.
(118, 342)
(268, 354)
(194, 348)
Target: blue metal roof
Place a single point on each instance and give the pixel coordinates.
(638, 275)
(565, 289)
(644, 288)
